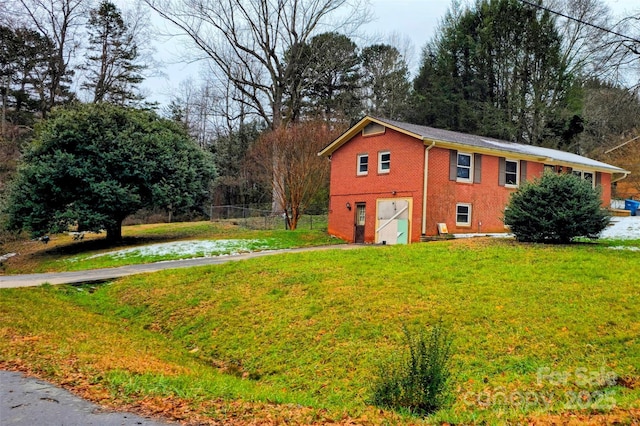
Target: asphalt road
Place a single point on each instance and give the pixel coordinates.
(25, 401)
(31, 280)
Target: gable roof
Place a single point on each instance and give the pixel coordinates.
(481, 144)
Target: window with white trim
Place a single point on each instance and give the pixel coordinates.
(363, 164)
(511, 175)
(384, 161)
(588, 176)
(463, 214)
(464, 167)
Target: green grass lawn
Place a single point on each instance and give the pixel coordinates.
(65, 254)
(538, 331)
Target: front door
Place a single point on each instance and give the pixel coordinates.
(360, 218)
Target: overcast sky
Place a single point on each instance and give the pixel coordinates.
(412, 20)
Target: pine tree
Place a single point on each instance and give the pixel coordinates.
(331, 77)
(113, 68)
(495, 68)
(386, 84)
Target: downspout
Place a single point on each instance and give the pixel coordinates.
(424, 189)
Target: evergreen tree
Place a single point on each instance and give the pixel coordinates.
(556, 208)
(92, 165)
(331, 77)
(495, 69)
(236, 184)
(385, 81)
(113, 70)
(27, 69)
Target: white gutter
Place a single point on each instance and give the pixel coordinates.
(424, 188)
(622, 176)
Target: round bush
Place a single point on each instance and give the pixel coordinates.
(556, 208)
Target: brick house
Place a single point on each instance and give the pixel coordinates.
(394, 182)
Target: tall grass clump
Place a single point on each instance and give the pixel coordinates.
(418, 381)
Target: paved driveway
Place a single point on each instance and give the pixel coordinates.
(30, 280)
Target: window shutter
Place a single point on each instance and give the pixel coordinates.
(477, 168)
(453, 164)
(598, 179)
(502, 170)
(523, 171)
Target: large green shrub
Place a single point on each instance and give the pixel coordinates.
(556, 208)
(419, 380)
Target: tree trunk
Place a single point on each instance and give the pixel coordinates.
(114, 233)
(294, 218)
(278, 179)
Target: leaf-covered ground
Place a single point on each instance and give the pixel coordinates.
(542, 334)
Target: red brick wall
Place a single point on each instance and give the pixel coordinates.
(404, 177)
(487, 198)
(534, 170)
(605, 182)
(405, 180)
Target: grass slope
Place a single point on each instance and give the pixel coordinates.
(65, 254)
(539, 331)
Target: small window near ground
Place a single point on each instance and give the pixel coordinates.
(511, 173)
(363, 164)
(384, 162)
(465, 165)
(463, 214)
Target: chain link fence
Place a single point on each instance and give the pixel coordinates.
(262, 218)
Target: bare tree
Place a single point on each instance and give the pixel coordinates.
(59, 21)
(627, 60)
(624, 152)
(302, 172)
(206, 108)
(251, 43)
(595, 44)
(609, 112)
(585, 49)
(247, 40)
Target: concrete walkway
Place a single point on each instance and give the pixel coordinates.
(31, 280)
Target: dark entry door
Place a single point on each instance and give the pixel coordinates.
(360, 218)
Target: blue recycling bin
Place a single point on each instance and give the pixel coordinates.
(632, 205)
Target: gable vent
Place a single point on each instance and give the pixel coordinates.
(373, 129)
